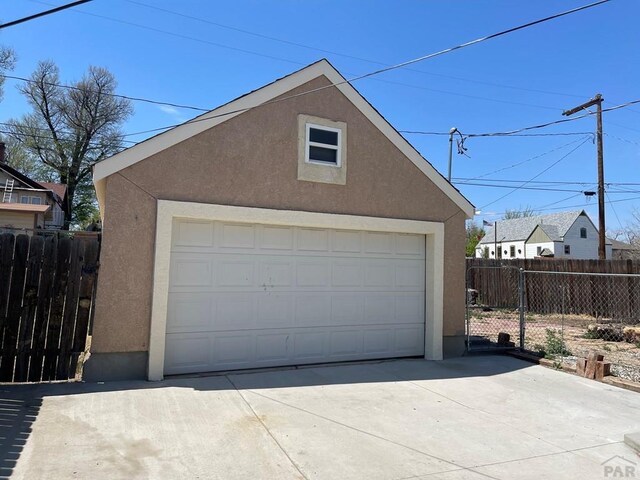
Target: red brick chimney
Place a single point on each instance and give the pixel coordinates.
(2, 150)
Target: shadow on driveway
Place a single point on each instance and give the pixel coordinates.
(20, 404)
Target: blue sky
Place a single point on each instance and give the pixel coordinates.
(525, 78)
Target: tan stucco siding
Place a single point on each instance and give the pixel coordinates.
(251, 160)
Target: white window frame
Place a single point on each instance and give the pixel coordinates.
(308, 143)
(25, 197)
(583, 229)
(31, 201)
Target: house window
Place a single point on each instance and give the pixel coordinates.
(512, 251)
(323, 145)
(567, 249)
(36, 200)
(538, 251)
(322, 150)
(583, 232)
(24, 199)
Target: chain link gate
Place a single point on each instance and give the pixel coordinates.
(493, 307)
(557, 315)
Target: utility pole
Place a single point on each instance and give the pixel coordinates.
(597, 101)
(451, 133)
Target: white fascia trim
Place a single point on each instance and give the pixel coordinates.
(168, 210)
(269, 92)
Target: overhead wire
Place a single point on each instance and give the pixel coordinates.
(399, 65)
(341, 54)
(42, 14)
(515, 189)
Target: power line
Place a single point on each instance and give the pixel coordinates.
(536, 176)
(42, 14)
(526, 161)
(558, 134)
(396, 66)
(114, 95)
(581, 205)
(340, 54)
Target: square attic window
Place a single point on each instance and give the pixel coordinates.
(323, 145)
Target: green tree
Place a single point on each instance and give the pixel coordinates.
(519, 213)
(474, 235)
(70, 129)
(7, 62)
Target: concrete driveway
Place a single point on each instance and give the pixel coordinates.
(466, 418)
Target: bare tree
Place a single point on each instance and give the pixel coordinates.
(70, 129)
(7, 62)
(518, 213)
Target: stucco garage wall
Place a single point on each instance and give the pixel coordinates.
(251, 160)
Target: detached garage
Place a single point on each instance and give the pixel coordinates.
(291, 226)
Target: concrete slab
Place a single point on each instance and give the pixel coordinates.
(633, 440)
(466, 418)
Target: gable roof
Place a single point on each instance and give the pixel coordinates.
(60, 189)
(259, 97)
(20, 176)
(555, 225)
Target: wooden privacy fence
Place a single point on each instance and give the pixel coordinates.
(47, 290)
(599, 288)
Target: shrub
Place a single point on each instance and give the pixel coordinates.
(555, 344)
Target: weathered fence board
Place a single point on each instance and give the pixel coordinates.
(46, 300)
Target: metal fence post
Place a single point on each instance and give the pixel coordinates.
(521, 305)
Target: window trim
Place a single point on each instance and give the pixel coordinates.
(512, 251)
(315, 171)
(308, 143)
(583, 230)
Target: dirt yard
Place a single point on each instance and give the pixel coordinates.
(557, 336)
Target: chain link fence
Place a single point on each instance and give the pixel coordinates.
(558, 315)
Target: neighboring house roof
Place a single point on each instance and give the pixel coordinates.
(60, 189)
(268, 94)
(23, 207)
(555, 225)
(20, 176)
(545, 252)
(618, 245)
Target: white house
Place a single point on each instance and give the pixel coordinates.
(559, 235)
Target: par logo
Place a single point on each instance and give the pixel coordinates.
(620, 467)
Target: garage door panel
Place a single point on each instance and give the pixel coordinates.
(275, 311)
(312, 310)
(409, 339)
(244, 296)
(187, 353)
(190, 272)
(231, 349)
(310, 345)
(273, 347)
(234, 273)
(233, 311)
(345, 342)
(312, 240)
(346, 274)
(276, 238)
(312, 273)
(191, 233)
(189, 312)
(344, 241)
(347, 310)
(276, 273)
(237, 235)
(378, 341)
(410, 308)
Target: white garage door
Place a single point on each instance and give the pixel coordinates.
(246, 296)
